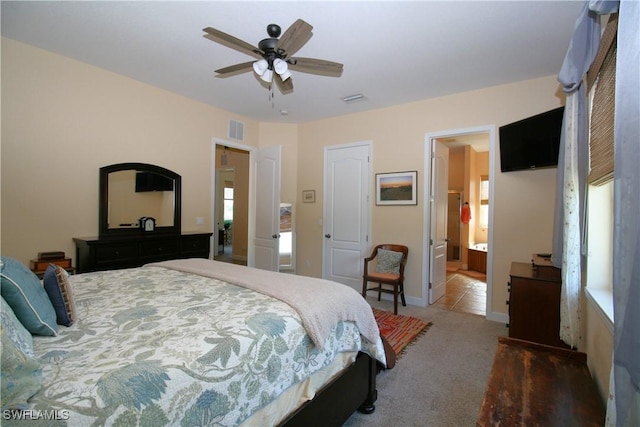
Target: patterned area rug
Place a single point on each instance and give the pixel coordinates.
(400, 331)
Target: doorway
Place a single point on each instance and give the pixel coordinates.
(466, 189)
(231, 216)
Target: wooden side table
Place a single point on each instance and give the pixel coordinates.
(39, 266)
(532, 384)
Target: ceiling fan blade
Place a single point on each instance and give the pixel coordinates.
(234, 70)
(316, 66)
(232, 42)
(295, 37)
(285, 86)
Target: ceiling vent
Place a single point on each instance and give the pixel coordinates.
(236, 130)
(354, 98)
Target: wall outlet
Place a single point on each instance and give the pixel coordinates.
(199, 220)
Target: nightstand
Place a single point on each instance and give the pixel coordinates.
(39, 266)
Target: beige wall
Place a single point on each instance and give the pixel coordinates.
(62, 120)
(523, 200)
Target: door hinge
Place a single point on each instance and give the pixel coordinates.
(430, 242)
(366, 239)
(429, 285)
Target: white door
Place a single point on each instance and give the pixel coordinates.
(438, 200)
(346, 213)
(267, 208)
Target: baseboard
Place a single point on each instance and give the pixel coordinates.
(498, 317)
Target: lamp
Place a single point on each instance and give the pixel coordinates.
(281, 68)
(267, 76)
(260, 67)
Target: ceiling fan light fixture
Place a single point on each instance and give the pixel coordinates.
(267, 75)
(260, 67)
(281, 68)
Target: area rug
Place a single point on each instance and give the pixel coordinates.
(400, 331)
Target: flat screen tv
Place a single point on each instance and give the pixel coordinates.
(149, 181)
(531, 143)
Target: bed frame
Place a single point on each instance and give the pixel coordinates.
(354, 389)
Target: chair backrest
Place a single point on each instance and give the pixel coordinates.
(395, 248)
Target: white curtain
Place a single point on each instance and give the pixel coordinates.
(571, 266)
(624, 404)
(573, 162)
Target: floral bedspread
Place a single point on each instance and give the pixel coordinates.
(160, 347)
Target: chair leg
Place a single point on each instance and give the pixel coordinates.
(395, 301)
(364, 288)
(404, 303)
(379, 292)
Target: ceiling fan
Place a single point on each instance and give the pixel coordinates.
(274, 55)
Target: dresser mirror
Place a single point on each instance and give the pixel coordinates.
(132, 191)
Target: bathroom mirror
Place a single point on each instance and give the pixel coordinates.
(131, 191)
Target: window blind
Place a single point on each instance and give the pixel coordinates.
(603, 76)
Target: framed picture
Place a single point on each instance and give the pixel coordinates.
(397, 188)
(308, 196)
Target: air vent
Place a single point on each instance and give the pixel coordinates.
(236, 130)
(354, 98)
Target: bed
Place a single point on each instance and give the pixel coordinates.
(200, 342)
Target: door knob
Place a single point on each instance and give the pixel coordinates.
(275, 236)
(328, 236)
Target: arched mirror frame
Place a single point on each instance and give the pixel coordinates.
(103, 205)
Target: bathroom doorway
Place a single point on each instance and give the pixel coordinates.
(467, 291)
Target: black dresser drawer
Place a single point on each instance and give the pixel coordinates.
(159, 247)
(194, 244)
(95, 253)
(116, 253)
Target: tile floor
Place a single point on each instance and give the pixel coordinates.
(464, 293)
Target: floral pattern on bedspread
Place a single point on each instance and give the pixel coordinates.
(160, 347)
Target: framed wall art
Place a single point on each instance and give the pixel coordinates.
(397, 188)
(308, 196)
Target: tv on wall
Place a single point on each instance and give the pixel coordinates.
(531, 143)
(149, 181)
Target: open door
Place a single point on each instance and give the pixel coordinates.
(438, 201)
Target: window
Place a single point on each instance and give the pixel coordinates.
(601, 85)
(600, 247)
(228, 203)
(483, 216)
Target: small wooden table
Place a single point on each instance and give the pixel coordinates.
(39, 267)
(533, 384)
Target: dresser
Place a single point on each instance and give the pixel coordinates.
(534, 303)
(110, 253)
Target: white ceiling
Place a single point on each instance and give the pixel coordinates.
(393, 52)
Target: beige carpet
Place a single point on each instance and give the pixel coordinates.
(442, 377)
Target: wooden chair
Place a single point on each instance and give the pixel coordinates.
(383, 276)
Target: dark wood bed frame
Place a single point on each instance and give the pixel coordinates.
(354, 389)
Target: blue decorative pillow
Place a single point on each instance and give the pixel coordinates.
(15, 331)
(23, 291)
(58, 287)
(388, 261)
(21, 375)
